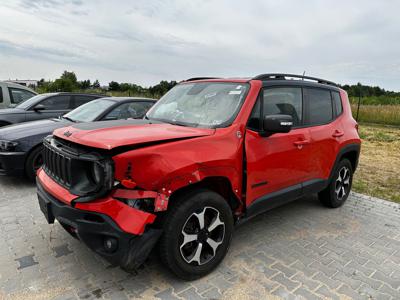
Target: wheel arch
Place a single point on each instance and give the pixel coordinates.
(218, 184)
(4, 123)
(350, 152)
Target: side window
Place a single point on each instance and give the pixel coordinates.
(1, 94)
(338, 103)
(81, 99)
(284, 101)
(319, 106)
(137, 110)
(18, 95)
(56, 103)
(134, 110)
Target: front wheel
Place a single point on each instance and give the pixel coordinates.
(338, 190)
(197, 234)
(33, 162)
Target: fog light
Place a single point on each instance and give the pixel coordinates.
(110, 244)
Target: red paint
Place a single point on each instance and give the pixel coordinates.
(55, 189)
(127, 218)
(109, 138)
(173, 157)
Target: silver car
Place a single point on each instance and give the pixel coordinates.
(11, 94)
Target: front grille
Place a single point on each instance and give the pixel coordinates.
(57, 165)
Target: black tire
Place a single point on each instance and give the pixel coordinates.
(2, 124)
(174, 252)
(337, 192)
(31, 163)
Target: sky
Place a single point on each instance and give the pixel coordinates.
(146, 41)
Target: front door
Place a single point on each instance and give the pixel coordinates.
(52, 107)
(278, 163)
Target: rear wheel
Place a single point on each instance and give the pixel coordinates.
(197, 234)
(33, 162)
(338, 190)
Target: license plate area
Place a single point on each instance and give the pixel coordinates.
(45, 207)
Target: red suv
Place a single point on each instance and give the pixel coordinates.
(209, 155)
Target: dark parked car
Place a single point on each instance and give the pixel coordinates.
(44, 106)
(21, 144)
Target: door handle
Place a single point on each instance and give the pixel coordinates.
(301, 143)
(338, 133)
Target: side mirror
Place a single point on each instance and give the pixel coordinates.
(276, 124)
(39, 107)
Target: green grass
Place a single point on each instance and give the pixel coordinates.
(378, 114)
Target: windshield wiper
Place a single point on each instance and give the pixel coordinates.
(185, 124)
(69, 119)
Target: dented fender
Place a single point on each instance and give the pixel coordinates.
(168, 167)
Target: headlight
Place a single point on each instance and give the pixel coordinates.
(7, 145)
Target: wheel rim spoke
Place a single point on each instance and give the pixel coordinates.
(200, 218)
(197, 254)
(187, 238)
(213, 244)
(217, 222)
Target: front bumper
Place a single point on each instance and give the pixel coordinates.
(94, 229)
(12, 163)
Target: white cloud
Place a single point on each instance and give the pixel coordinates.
(146, 41)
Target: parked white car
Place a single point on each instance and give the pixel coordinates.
(11, 94)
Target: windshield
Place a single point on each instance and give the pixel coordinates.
(89, 111)
(208, 104)
(27, 103)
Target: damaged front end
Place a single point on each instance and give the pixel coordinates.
(76, 186)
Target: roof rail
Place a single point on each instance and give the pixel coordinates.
(200, 78)
(277, 76)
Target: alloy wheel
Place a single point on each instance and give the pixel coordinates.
(342, 184)
(201, 236)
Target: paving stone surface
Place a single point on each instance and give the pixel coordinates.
(299, 251)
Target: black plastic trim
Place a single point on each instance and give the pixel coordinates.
(286, 195)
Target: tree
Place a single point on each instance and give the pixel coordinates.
(96, 84)
(113, 86)
(69, 76)
(85, 84)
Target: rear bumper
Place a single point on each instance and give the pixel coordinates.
(12, 163)
(94, 229)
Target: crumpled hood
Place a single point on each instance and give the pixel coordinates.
(22, 130)
(112, 134)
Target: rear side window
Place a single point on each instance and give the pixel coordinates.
(284, 101)
(19, 95)
(82, 99)
(338, 103)
(56, 103)
(319, 106)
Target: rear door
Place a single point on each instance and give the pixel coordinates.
(322, 109)
(281, 162)
(78, 100)
(53, 107)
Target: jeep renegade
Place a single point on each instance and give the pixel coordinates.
(210, 154)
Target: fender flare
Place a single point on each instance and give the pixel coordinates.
(353, 147)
